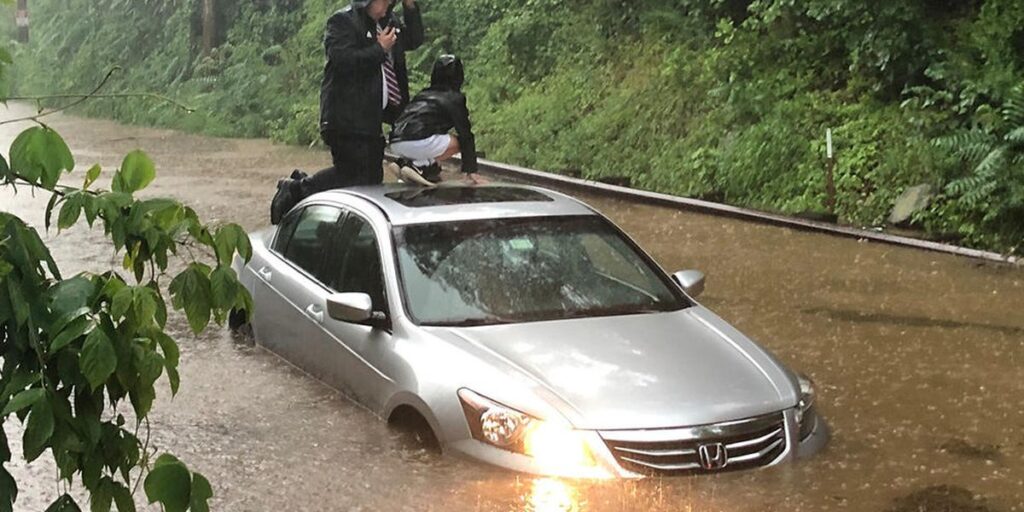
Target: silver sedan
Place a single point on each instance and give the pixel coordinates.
(522, 328)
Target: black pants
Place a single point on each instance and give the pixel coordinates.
(357, 161)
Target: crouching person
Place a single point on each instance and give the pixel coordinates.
(421, 136)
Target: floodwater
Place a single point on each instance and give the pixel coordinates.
(917, 356)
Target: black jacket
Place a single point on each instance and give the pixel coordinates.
(435, 111)
(352, 89)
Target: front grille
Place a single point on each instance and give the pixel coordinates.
(747, 444)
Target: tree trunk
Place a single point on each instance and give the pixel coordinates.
(21, 20)
(209, 26)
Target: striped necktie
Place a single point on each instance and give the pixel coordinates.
(394, 96)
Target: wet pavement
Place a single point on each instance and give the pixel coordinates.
(917, 356)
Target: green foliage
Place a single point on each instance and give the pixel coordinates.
(721, 99)
(988, 199)
(74, 351)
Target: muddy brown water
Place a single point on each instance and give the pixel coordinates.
(917, 357)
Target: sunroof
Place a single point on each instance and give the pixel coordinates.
(450, 196)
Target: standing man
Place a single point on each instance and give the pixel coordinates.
(365, 84)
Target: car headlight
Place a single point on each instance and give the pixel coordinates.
(554, 448)
(805, 414)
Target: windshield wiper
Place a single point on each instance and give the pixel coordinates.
(616, 311)
(471, 322)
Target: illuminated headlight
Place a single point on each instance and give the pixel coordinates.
(554, 448)
(805, 413)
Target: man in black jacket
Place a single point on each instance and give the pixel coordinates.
(420, 135)
(365, 84)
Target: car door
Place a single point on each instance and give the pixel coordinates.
(290, 295)
(366, 348)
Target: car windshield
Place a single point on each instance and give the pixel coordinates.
(499, 271)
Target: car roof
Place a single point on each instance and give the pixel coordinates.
(413, 204)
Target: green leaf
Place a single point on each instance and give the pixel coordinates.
(21, 379)
(48, 217)
(91, 208)
(64, 504)
(69, 211)
(122, 301)
(174, 379)
(71, 295)
(61, 322)
(224, 287)
(201, 493)
(38, 429)
(102, 496)
(5, 450)
(149, 363)
(92, 175)
(18, 302)
(169, 483)
(72, 332)
(137, 171)
(98, 359)
(24, 399)
(191, 292)
(144, 305)
(160, 314)
(229, 239)
(40, 155)
(142, 396)
(8, 491)
(123, 499)
(5, 171)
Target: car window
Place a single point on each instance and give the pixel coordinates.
(358, 268)
(311, 236)
(285, 230)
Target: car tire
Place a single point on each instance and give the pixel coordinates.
(237, 320)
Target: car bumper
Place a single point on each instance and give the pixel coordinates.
(609, 461)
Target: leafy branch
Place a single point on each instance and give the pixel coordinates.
(75, 349)
(82, 98)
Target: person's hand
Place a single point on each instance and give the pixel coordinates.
(475, 179)
(409, 4)
(387, 38)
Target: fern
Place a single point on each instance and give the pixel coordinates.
(994, 188)
(1016, 136)
(1013, 109)
(971, 146)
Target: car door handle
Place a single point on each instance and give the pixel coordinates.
(316, 313)
(265, 273)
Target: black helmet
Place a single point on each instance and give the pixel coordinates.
(361, 4)
(448, 73)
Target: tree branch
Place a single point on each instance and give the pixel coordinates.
(93, 94)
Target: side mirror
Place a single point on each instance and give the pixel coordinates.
(692, 281)
(354, 308)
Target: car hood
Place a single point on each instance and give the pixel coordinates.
(659, 370)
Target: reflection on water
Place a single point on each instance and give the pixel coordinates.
(552, 495)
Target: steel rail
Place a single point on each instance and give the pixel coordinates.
(532, 176)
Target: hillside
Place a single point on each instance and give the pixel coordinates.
(727, 100)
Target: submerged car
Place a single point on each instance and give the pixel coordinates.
(525, 329)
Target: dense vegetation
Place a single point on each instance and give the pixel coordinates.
(720, 99)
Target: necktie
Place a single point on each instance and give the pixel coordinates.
(394, 96)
